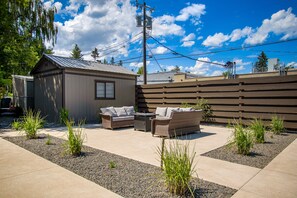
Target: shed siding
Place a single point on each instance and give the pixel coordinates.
(48, 96)
(80, 95)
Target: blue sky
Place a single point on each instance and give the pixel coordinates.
(189, 27)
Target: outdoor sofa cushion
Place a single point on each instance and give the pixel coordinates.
(109, 111)
(120, 111)
(129, 110)
(170, 110)
(186, 109)
(161, 111)
(122, 118)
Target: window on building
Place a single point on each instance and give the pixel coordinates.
(104, 90)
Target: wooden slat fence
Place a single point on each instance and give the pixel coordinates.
(232, 99)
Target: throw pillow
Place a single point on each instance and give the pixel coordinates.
(170, 110)
(129, 110)
(120, 111)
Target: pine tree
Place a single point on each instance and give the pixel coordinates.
(121, 63)
(112, 61)
(95, 54)
(261, 64)
(140, 70)
(105, 61)
(76, 52)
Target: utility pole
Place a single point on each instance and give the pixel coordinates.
(146, 23)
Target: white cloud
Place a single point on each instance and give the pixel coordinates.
(164, 26)
(240, 33)
(281, 23)
(190, 37)
(188, 40)
(99, 24)
(159, 50)
(294, 64)
(200, 38)
(240, 64)
(216, 40)
(216, 73)
(195, 11)
(140, 64)
(49, 4)
(203, 68)
(188, 43)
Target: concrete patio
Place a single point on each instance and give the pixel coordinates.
(19, 168)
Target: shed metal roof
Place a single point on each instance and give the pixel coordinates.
(72, 63)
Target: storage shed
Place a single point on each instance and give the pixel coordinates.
(82, 87)
(23, 92)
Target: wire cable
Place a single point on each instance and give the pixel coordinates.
(154, 57)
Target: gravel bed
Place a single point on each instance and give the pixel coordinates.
(129, 178)
(260, 155)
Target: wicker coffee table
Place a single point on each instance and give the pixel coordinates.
(142, 121)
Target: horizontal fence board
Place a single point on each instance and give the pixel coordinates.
(287, 117)
(272, 101)
(260, 94)
(269, 109)
(260, 87)
(239, 99)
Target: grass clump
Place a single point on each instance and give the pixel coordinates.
(31, 123)
(49, 140)
(258, 129)
(277, 125)
(242, 139)
(178, 167)
(17, 125)
(112, 165)
(64, 115)
(75, 139)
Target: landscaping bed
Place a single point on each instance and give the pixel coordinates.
(126, 177)
(260, 155)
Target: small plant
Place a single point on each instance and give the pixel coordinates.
(17, 125)
(201, 104)
(64, 115)
(112, 165)
(178, 167)
(226, 74)
(242, 139)
(258, 129)
(75, 139)
(31, 123)
(49, 140)
(277, 125)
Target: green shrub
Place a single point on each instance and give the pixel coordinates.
(75, 139)
(242, 139)
(31, 123)
(201, 104)
(277, 125)
(64, 115)
(17, 125)
(178, 167)
(112, 165)
(258, 129)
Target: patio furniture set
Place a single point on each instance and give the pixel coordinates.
(164, 122)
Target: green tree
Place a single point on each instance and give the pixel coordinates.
(105, 61)
(25, 25)
(261, 64)
(76, 52)
(112, 61)
(176, 69)
(140, 70)
(121, 63)
(95, 54)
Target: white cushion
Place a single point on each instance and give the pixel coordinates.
(161, 111)
(170, 110)
(129, 110)
(120, 111)
(109, 111)
(186, 109)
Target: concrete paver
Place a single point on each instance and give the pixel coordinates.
(24, 174)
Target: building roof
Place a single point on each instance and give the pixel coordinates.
(71, 63)
(162, 77)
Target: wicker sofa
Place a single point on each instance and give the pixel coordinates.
(176, 122)
(117, 117)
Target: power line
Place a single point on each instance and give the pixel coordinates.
(155, 58)
(185, 56)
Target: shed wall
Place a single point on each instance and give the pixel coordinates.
(23, 93)
(48, 96)
(80, 95)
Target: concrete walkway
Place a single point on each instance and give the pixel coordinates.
(278, 179)
(24, 174)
